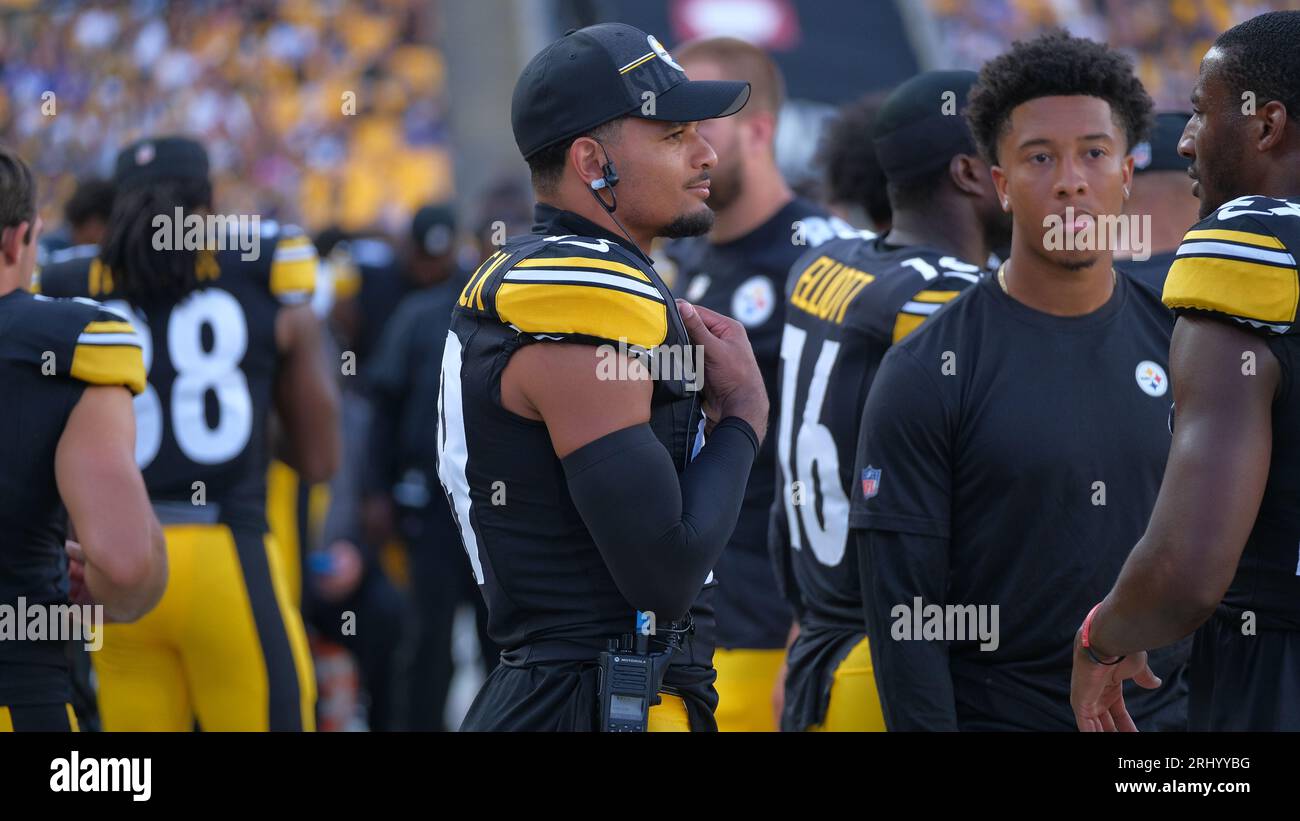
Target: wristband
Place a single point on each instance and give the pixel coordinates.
(1087, 643)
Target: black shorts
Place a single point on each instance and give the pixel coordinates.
(1244, 682)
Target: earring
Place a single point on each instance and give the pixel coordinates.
(1126, 192)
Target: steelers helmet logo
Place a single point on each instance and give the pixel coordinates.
(662, 52)
(1151, 378)
(754, 301)
(144, 154)
(1141, 155)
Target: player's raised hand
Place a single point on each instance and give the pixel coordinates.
(1097, 690)
(733, 385)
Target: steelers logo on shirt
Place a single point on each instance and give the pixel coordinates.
(1151, 378)
(754, 301)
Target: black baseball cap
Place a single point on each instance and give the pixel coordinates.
(159, 158)
(921, 125)
(433, 228)
(1160, 151)
(600, 73)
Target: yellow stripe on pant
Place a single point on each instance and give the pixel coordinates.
(43, 718)
(746, 680)
(225, 646)
(855, 702)
(296, 516)
(282, 517)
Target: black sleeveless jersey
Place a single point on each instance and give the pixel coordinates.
(532, 556)
(201, 424)
(50, 350)
(1239, 265)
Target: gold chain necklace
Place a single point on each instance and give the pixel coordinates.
(1002, 278)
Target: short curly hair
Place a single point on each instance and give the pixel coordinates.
(1055, 64)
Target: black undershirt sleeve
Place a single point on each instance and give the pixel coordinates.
(912, 673)
(659, 533)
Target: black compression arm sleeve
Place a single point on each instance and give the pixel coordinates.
(661, 534)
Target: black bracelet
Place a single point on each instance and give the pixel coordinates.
(1093, 656)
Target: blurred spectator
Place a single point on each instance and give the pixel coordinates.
(1166, 40)
(313, 112)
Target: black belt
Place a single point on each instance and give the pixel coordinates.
(551, 651)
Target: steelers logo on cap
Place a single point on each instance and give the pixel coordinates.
(662, 52)
(144, 154)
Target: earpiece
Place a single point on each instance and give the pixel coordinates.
(610, 174)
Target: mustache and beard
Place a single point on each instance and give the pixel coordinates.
(694, 223)
(689, 225)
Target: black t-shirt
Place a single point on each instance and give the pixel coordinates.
(1012, 459)
(746, 279)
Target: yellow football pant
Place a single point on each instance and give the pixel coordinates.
(746, 679)
(855, 703)
(668, 716)
(225, 646)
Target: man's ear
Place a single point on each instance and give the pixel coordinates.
(1000, 184)
(761, 129)
(587, 158)
(1126, 168)
(1273, 122)
(11, 241)
(970, 175)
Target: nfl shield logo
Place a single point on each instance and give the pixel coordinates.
(870, 482)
